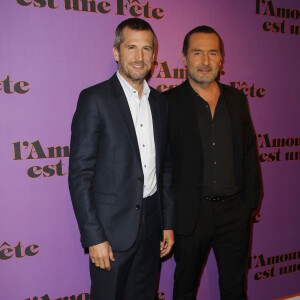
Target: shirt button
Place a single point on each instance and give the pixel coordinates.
(215, 162)
(141, 125)
(206, 106)
(215, 181)
(137, 207)
(213, 144)
(143, 145)
(145, 166)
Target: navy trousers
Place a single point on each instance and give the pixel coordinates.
(134, 273)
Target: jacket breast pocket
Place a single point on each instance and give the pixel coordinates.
(104, 198)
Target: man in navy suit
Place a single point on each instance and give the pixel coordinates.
(120, 172)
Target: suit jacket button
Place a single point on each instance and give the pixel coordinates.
(140, 179)
(137, 207)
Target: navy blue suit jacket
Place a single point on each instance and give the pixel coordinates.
(105, 171)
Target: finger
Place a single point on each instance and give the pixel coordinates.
(101, 264)
(107, 264)
(111, 255)
(168, 249)
(96, 262)
(166, 244)
(162, 245)
(163, 253)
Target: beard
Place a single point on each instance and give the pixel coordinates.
(134, 76)
(203, 79)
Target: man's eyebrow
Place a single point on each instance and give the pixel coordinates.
(210, 50)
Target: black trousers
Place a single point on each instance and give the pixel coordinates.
(134, 274)
(224, 226)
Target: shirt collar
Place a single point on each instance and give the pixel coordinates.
(194, 93)
(129, 90)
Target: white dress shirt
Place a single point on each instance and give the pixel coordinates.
(142, 120)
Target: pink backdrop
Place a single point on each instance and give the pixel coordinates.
(52, 49)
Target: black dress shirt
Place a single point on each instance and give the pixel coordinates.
(216, 136)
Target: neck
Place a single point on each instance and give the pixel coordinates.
(204, 89)
(137, 85)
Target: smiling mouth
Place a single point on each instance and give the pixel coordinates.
(138, 65)
(205, 70)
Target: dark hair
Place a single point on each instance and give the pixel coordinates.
(134, 24)
(200, 29)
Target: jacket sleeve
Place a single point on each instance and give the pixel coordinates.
(86, 126)
(252, 178)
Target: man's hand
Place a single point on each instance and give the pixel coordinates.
(168, 242)
(101, 255)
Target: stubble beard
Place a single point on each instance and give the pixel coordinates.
(202, 81)
(138, 78)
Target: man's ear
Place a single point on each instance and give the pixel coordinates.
(116, 54)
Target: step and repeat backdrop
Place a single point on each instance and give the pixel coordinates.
(51, 49)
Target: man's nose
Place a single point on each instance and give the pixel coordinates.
(205, 59)
(139, 55)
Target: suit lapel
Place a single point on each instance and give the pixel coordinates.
(188, 108)
(233, 108)
(156, 120)
(124, 110)
(233, 112)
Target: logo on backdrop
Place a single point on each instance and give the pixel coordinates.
(35, 151)
(272, 266)
(8, 86)
(19, 251)
(265, 143)
(82, 296)
(286, 17)
(163, 71)
(129, 8)
(249, 90)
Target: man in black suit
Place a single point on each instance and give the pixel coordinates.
(216, 171)
(120, 172)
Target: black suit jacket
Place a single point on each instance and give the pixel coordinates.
(105, 171)
(187, 155)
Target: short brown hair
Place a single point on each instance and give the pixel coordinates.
(134, 24)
